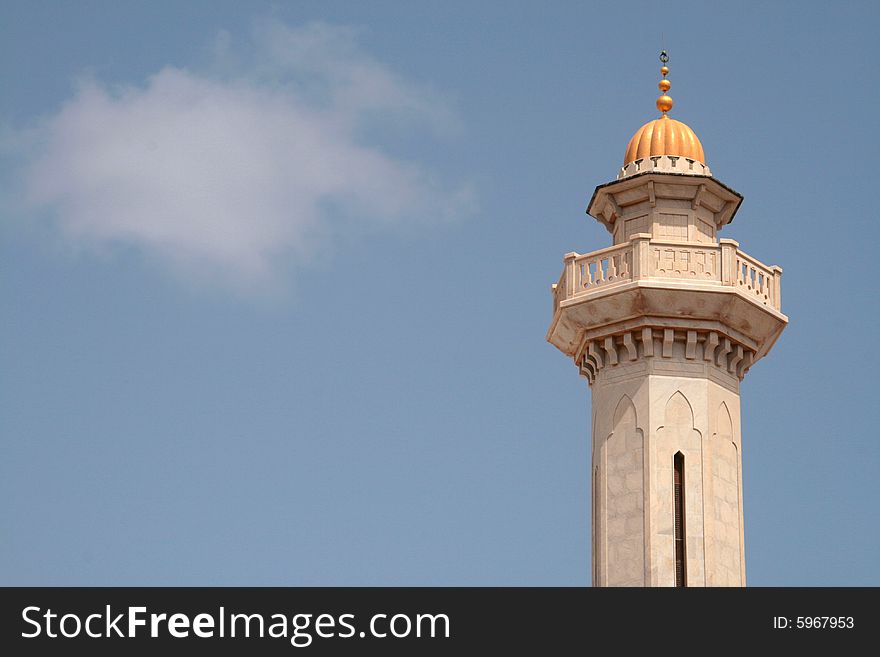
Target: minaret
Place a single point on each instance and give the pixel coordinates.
(664, 324)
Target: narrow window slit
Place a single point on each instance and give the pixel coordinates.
(678, 503)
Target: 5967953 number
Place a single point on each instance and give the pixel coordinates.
(820, 622)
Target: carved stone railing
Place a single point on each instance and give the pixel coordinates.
(643, 258)
(697, 263)
(592, 271)
(753, 277)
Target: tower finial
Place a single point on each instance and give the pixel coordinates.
(664, 103)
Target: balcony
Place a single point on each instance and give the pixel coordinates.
(675, 263)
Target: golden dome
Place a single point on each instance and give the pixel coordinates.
(664, 136)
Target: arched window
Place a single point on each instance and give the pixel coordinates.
(678, 503)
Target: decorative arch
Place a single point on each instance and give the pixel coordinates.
(624, 414)
(723, 422)
(679, 412)
(677, 471)
(623, 504)
(726, 500)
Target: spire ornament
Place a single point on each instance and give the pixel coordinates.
(664, 102)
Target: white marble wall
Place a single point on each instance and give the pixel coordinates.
(640, 422)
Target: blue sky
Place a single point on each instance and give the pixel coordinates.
(275, 282)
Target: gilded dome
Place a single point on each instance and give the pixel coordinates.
(664, 136)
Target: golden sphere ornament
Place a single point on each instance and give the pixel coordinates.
(664, 103)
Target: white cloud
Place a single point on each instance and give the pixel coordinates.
(231, 171)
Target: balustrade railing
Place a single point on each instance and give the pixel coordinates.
(642, 257)
(755, 278)
(603, 267)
